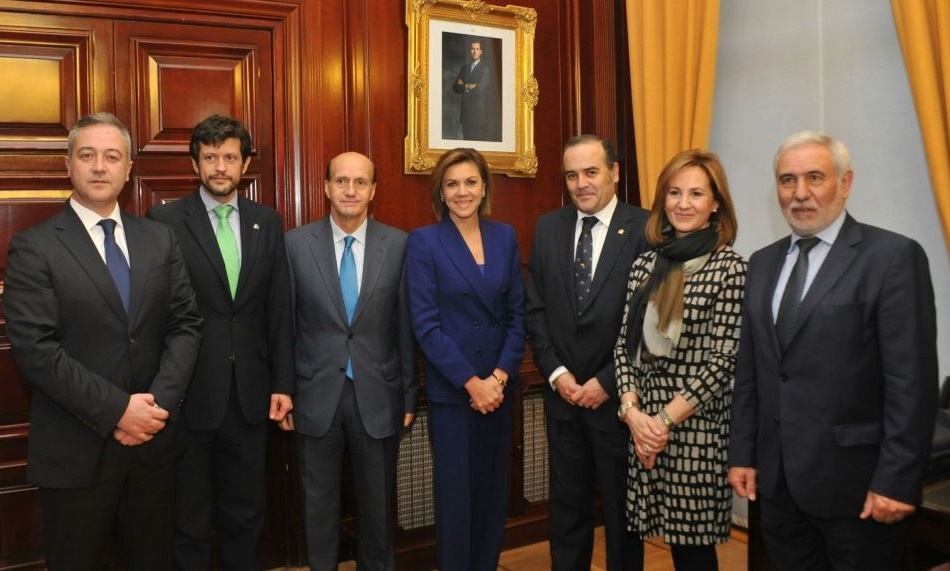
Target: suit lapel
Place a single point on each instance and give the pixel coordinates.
(461, 257)
(565, 245)
(374, 252)
(250, 237)
(199, 225)
(76, 240)
(774, 258)
(140, 261)
(619, 233)
(324, 257)
(836, 263)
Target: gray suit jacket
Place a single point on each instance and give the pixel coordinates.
(379, 340)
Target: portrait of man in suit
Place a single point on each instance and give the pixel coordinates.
(234, 251)
(836, 384)
(102, 322)
(477, 85)
(573, 325)
(355, 364)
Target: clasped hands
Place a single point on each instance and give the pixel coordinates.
(486, 395)
(589, 395)
(649, 435)
(142, 420)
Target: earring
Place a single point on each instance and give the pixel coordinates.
(441, 199)
(483, 195)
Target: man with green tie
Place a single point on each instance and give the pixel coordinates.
(234, 250)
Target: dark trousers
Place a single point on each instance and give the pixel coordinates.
(220, 483)
(79, 524)
(374, 473)
(581, 457)
(470, 484)
(797, 541)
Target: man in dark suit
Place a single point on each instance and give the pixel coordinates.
(244, 375)
(102, 321)
(572, 335)
(356, 364)
(836, 385)
(473, 82)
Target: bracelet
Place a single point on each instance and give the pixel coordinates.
(624, 407)
(666, 418)
(497, 378)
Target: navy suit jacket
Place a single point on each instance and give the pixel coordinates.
(379, 340)
(466, 323)
(72, 339)
(251, 335)
(581, 338)
(849, 406)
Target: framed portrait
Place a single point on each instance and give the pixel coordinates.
(471, 84)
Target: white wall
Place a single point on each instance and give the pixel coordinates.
(835, 66)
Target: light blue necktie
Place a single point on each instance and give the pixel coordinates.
(115, 262)
(349, 287)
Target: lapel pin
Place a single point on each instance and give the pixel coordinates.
(620, 231)
(256, 226)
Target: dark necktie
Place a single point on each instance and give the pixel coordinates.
(116, 263)
(228, 246)
(792, 296)
(348, 285)
(583, 259)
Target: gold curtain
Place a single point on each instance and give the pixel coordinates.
(923, 27)
(672, 74)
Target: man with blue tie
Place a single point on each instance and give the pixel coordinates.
(356, 364)
(102, 321)
(473, 82)
(234, 250)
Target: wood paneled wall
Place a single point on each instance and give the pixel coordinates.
(310, 78)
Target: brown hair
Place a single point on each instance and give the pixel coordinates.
(450, 159)
(725, 215)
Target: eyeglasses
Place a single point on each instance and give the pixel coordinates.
(343, 183)
(212, 159)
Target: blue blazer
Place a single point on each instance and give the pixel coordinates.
(466, 323)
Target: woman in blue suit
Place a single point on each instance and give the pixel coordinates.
(466, 298)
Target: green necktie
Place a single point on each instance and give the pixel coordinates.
(228, 245)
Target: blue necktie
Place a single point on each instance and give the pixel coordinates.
(116, 263)
(349, 287)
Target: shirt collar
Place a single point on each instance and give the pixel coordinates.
(339, 234)
(210, 203)
(828, 235)
(90, 218)
(604, 215)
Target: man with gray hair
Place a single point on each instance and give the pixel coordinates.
(835, 392)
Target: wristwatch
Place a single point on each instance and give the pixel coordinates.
(624, 407)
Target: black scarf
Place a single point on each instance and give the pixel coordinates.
(670, 254)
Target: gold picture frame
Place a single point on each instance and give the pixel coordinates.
(443, 111)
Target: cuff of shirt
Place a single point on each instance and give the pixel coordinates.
(557, 373)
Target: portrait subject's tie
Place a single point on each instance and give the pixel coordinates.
(350, 288)
(583, 258)
(792, 296)
(228, 246)
(116, 262)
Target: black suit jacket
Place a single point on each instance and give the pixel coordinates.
(252, 334)
(580, 338)
(849, 407)
(72, 339)
(478, 106)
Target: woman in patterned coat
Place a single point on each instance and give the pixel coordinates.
(675, 360)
